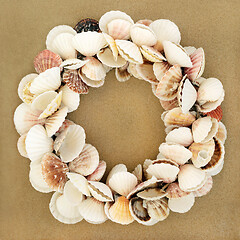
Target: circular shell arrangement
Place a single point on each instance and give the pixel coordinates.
(78, 59)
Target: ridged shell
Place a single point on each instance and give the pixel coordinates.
(221, 134)
(133, 71)
(117, 168)
(98, 173)
(169, 105)
(152, 194)
(145, 71)
(190, 49)
(151, 54)
(65, 125)
(41, 102)
(145, 22)
(89, 82)
(216, 113)
(138, 172)
(73, 63)
(72, 194)
(87, 24)
(160, 68)
(100, 191)
(21, 146)
(122, 74)
(205, 189)
(112, 45)
(174, 191)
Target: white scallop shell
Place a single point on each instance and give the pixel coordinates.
(205, 188)
(91, 83)
(151, 54)
(98, 173)
(217, 170)
(160, 68)
(21, 146)
(122, 74)
(117, 168)
(138, 172)
(41, 102)
(112, 45)
(190, 49)
(145, 71)
(152, 194)
(221, 134)
(100, 191)
(73, 63)
(72, 194)
(133, 71)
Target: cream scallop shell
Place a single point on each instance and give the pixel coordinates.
(38, 143)
(151, 54)
(221, 133)
(152, 194)
(122, 74)
(22, 146)
(89, 82)
(112, 45)
(41, 102)
(98, 173)
(72, 194)
(63, 210)
(190, 50)
(160, 68)
(205, 189)
(174, 191)
(145, 71)
(100, 191)
(138, 172)
(133, 71)
(117, 168)
(73, 63)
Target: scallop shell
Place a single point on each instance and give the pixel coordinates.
(183, 204)
(98, 173)
(168, 85)
(54, 171)
(176, 117)
(23, 88)
(21, 146)
(151, 54)
(198, 64)
(38, 143)
(89, 43)
(73, 63)
(133, 71)
(142, 35)
(181, 135)
(54, 122)
(117, 168)
(72, 194)
(202, 153)
(94, 69)
(204, 129)
(112, 45)
(87, 24)
(165, 30)
(221, 134)
(72, 144)
(80, 182)
(70, 99)
(41, 101)
(216, 113)
(160, 68)
(174, 191)
(36, 178)
(64, 126)
(123, 182)
(122, 74)
(190, 49)
(119, 211)
(158, 209)
(163, 169)
(129, 51)
(46, 59)
(169, 128)
(63, 210)
(169, 105)
(145, 22)
(92, 211)
(87, 161)
(217, 170)
(145, 71)
(25, 118)
(146, 164)
(175, 54)
(46, 81)
(100, 191)
(205, 189)
(152, 194)
(175, 152)
(89, 82)
(74, 82)
(191, 178)
(138, 172)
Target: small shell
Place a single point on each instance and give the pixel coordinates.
(146, 164)
(160, 68)
(181, 135)
(145, 71)
(169, 128)
(163, 169)
(138, 172)
(72, 144)
(133, 71)
(198, 64)
(191, 178)
(205, 189)
(73, 63)
(100, 191)
(169, 105)
(175, 152)
(151, 54)
(177, 117)
(54, 122)
(183, 204)
(119, 29)
(221, 134)
(70, 99)
(38, 143)
(54, 171)
(129, 51)
(216, 113)
(174, 191)
(202, 153)
(87, 161)
(72, 194)
(98, 173)
(190, 49)
(22, 146)
(142, 35)
(122, 182)
(117, 168)
(63, 210)
(168, 85)
(94, 69)
(92, 211)
(217, 170)
(46, 81)
(204, 129)
(165, 30)
(87, 24)
(152, 194)
(64, 126)
(46, 60)
(89, 43)
(122, 74)
(145, 22)
(89, 82)
(74, 82)
(112, 45)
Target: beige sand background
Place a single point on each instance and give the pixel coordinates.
(121, 119)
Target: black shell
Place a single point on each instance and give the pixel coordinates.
(87, 24)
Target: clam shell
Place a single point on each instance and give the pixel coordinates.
(92, 211)
(38, 143)
(72, 194)
(216, 113)
(152, 194)
(168, 85)
(89, 82)
(122, 74)
(205, 189)
(73, 63)
(175, 152)
(87, 161)
(54, 171)
(98, 173)
(217, 170)
(46, 59)
(89, 43)
(41, 101)
(119, 29)
(133, 71)
(117, 168)
(36, 178)
(174, 191)
(72, 144)
(181, 135)
(202, 153)
(80, 182)
(198, 64)
(221, 134)
(151, 54)
(138, 172)
(70, 99)
(87, 24)
(145, 22)
(169, 105)
(158, 209)
(54, 122)
(183, 204)
(123, 182)
(176, 117)
(160, 68)
(165, 30)
(129, 51)
(46, 81)
(191, 178)
(145, 71)
(25, 118)
(112, 45)
(142, 35)
(100, 191)
(175, 54)
(63, 210)
(21, 146)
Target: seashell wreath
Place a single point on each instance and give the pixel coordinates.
(62, 162)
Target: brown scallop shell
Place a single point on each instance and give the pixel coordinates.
(216, 113)
(87, 24)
